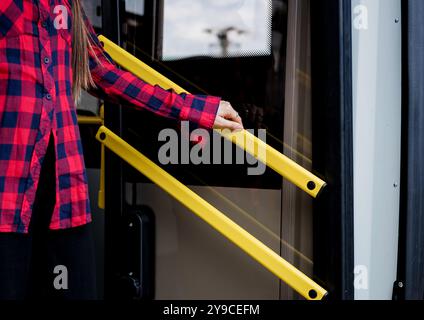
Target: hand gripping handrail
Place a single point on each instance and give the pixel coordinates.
(286, 167)
(219, 221)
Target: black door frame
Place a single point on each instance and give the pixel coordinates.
(410, 283)
(114, 182)
(333, 145)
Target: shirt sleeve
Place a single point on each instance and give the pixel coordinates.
(123, 87)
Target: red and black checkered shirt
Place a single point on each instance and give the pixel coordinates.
(36, 101)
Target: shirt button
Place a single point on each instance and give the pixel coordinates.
(46, 60)
(48, 96)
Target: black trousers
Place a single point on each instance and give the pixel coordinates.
(47, 264)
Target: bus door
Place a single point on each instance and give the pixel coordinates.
(276, 67)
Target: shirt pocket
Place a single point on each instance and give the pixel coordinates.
(11, 16)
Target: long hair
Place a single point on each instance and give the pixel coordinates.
(81, 46)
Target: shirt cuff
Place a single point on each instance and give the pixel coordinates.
(201, 110)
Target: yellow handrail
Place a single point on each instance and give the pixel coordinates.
(219, 221)
(98, 121)
(101, 195)
(89, 120)
(286, 167)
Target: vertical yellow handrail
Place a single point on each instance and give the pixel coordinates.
(101, 195)
(93, 120)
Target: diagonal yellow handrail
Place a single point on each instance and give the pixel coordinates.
(286, 167)
(219, 221)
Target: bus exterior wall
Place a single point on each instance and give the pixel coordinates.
(377, 99)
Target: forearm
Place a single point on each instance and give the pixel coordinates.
(123, 87)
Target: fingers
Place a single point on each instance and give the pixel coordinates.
(238, 119)
(228, 118)
(227, 112)
(222, 123)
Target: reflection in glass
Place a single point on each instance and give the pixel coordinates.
(216, 28)
(135, 7)
(296, 226)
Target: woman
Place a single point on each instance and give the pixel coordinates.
(45, 242)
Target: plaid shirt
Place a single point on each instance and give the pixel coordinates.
(36, 100)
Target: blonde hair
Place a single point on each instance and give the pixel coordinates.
(81, 46)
